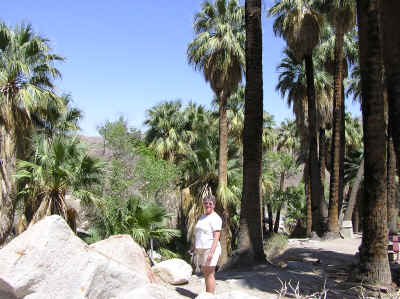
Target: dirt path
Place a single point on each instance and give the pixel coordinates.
(312, 264)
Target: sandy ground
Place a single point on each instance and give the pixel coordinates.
(312, 264)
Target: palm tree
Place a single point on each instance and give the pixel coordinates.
(57, 117)
(218, 51)
(167, 135)
(292, 83)
(26, 79)
(299, 23)
(250, 242)
(374, 264)
(341, 14)
(59, 166)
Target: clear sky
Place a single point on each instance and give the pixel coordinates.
(125, 56)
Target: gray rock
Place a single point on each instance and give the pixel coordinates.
(49, 261)
(173, 271)
(122, 249)
(151, 291)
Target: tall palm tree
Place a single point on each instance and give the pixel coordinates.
(250, 232)
(293, 84)
(374, 264)
(341, 14)
(27, 73)
(218, 51)
(299, 23)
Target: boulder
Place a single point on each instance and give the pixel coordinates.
(173, 271)
(124, 250)
(49, 261)
(151, 291)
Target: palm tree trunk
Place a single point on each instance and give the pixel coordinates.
(308, 200)
(356, 214)
(7, 169)
(314, 168)
(223, 177)
(278, 212)
(391, 191)
(322, 160)
(391, 53)
(270, 218)
(342, 187)
(250, 233)
(334, 189)
(354, 191)
(223, 142)
(374, 263)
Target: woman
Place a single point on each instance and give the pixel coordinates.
(208, 248)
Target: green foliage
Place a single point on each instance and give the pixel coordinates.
(296, 206)
(136, 181)
(168, 254)
(158, 175)
(58, 166)
(140, 219)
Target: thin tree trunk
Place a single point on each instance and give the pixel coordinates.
(308, 200)
(7, 169)
(315, 180)
(334, 189)
(278, 212)
(341, 157)
(322, 160)
(354, 191)
(270, 218)
(356, 214)
(391, 188)
(250, 233)
(374, 263)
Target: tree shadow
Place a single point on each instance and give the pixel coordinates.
(312, 270)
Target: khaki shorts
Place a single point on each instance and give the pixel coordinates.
(202, 255)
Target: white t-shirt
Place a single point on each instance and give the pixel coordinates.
(204, 229)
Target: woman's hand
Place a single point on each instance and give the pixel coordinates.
(209, 258)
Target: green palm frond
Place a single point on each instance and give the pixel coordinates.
(218, 48)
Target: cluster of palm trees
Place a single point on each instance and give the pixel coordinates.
(322, 45)
(224, 150)
(41, 158)
(339, 54)
(304, 25)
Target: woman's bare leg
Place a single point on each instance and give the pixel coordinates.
(209, 277)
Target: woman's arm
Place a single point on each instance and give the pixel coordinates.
(216, 235)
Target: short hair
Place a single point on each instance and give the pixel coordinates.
(209, 198)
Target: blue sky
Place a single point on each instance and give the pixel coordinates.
(123, 57)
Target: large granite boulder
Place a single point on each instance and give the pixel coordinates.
(49, 261)
(124, 250)
(173, 271)
(151, 291)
